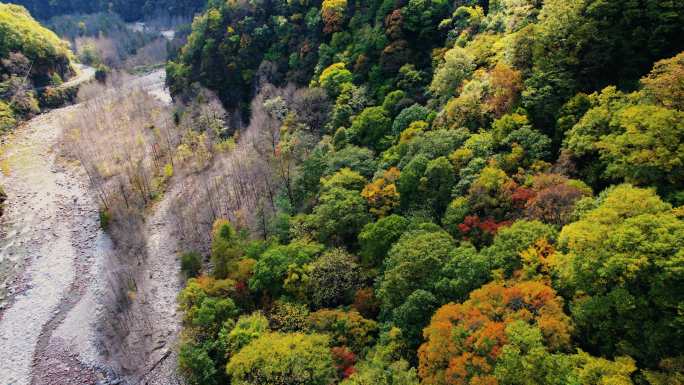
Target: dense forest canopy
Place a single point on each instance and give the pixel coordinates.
(469, 192)
(570, 46)
(130, 10)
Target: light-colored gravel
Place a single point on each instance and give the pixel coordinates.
(158, 299)
(48, 225)
(54, 270)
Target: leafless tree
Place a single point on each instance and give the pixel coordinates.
(127, 142)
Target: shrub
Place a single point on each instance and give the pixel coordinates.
(56, 97)
(7, 118)
(191, 264)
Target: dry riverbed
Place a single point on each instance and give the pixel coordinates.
(54, 269)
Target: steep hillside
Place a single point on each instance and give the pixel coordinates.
(435, 192)
(20, 33)
(577, 46)
(30, 56)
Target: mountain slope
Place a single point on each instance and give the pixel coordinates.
(468, 192)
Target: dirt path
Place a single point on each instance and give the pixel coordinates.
(83, 74)
(54, 270)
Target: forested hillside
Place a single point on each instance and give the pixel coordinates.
(465, 192)
(30, 56)
(130, 10)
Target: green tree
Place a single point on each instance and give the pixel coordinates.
(665, 83)
(430, 144)
(395, 101)
(196, 365)
(645, 146)
(345, 328)
(622, 260)
(288, 317)
(370, 127)
(377, 238)
(333, 77)
(359, 159)
(284, 359)
(407, 116)
(308, 177)
(340, 215)
(421, 16)
(225, 249)
(525, 360)
(458, 66)
(247, 329)
(412, 264)
(612, 37)
(455, 214)
(413, 315)
(409, 183)
(440, 179)
(384, 364)
(350, 101)
(212, 313)
(620, 138)
(272, 267)
(504, 253)
(465, 271)
(344, 178)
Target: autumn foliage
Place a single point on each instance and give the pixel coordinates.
(433, 186)
(344, 360)
(479, 230)
(333, 14)
(382, 194)
(463, 341)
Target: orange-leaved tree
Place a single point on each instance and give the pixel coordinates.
(463, 341)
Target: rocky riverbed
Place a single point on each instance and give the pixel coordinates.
(55, 269)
